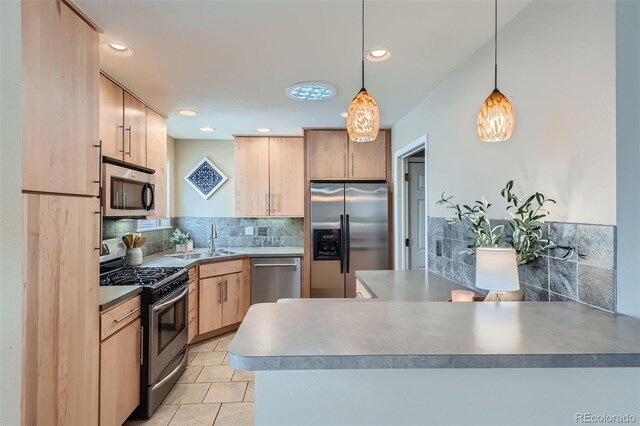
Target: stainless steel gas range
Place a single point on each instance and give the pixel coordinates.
(164, 322)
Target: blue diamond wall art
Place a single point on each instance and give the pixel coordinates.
(205, 178)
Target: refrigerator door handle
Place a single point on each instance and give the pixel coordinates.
(347, 245)
(342, 245)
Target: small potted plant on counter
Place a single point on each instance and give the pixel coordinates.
(181, 241)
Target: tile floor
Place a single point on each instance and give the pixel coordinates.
(210, 392)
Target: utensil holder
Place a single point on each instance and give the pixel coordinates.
(133, 256)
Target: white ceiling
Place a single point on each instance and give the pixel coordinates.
(232, 60)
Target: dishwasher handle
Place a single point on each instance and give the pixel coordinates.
(276, 265)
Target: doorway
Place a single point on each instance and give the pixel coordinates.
(416, 210)
(408, 249)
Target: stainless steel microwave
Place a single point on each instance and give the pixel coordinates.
(127, 192)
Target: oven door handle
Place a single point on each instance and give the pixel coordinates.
(172, 301)
(172, 374)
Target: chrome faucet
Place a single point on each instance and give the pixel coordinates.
(212, 238)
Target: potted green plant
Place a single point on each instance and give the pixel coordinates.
(180, 240)
(524, 232)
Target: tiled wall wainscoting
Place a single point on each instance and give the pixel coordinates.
(157, 239)
(267, 232)
(590, 280)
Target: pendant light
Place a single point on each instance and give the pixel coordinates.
(496, 118)
(363, 117)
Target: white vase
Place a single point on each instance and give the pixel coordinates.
(189, 245)
(133, 256)
(180, 248)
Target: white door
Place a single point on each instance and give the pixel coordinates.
(417, 215)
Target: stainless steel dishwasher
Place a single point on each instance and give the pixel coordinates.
(274, 278)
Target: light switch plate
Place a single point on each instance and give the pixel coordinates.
(248, 230)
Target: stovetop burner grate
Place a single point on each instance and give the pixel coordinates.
(144, 276)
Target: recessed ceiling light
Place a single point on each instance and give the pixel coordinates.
(311, 91)
(344, 114)
(379, 54)
(118, 46)
(207, 129)
(264, 129)
(117, 49)
(187, 112)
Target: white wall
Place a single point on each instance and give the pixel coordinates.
(10, 214)
(171, 172)
(188, 202)
(628, 126)
(557, 66)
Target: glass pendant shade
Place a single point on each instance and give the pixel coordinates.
(496, 118)
(363, 118)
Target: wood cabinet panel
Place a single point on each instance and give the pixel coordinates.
(220, 268)
(157, 159)
(233, 299)
(135, 130)
(120, 374)
(327, 152)
(210, 304)
(111, 118)
(119, 316)
(60, 310)
(60, 87)
(286, 176)
(252, 176)
(192, 329)
(368, 160)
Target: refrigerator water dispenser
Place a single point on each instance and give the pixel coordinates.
(326, 244)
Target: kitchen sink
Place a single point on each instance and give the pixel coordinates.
(202, 255)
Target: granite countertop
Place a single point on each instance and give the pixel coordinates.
(112, 295)
(161, 259)
(408, 286)
(310, 336)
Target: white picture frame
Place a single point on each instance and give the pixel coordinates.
(205, 189)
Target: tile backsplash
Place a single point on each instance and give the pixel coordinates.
(590, 280)
(267, 232)
(157, 239)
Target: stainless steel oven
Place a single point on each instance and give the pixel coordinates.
(127, 191)
(167, 350)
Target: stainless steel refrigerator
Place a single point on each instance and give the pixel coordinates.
(349, 232)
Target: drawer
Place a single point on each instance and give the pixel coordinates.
(119, 316)
(193, 286)
(193, 315)
(193, 299)
(220, 268)
(193, 273)
(192, 330)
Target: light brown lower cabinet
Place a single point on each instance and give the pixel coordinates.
(192, 304)
(223, 300)
(120, 354)
(61, 332)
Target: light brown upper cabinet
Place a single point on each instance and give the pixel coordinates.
(327, 154)
(269, 176)
(157, 159)
(368, 160)
(286, 177)
(123, 124)
(135, 130)
(111, 118)
(331, 155)
(60, 65)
